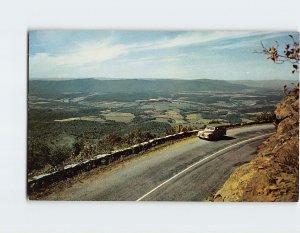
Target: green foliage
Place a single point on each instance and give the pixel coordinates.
(214, 122)
(78, 146)
(266, 116)
(54, 143)
(59, 154)
(234, 118)
(51, 144)
(138, 136)
(41, 154)
(38, 153)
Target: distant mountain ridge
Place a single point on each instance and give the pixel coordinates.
(270, 84)
(90, 85)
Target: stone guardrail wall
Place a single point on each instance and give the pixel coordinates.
(37, 182)
(248, 124)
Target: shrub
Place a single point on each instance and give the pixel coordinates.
(38, 153)
(59, 154)
(266, 116)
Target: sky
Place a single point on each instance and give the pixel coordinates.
(223, 55)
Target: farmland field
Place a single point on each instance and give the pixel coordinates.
(73, 120)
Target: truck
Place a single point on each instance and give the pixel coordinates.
(212, 132)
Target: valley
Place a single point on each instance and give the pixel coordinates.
(72, 120)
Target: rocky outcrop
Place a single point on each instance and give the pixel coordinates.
(274, 173)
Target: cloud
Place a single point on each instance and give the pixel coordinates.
(157, 59)
(106, 50)
(233, 45)
(93, 54)
(185, 39)
(192, 38)
(85, 54)
(249, 40)
(43, 64)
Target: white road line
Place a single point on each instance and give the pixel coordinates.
(198, 162)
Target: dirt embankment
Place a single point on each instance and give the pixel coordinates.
(274, 174)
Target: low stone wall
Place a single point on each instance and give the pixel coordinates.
(247, 124)
(37, 182)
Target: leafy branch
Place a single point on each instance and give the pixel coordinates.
(290, 53)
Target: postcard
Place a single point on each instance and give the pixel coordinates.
(163, 115)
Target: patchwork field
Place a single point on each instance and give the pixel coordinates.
(119, 116)
(67, 123)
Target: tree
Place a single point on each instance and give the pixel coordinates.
(266, 116)
(148, 136)
(38, 153)
(290, 53)
(78, 146)
(59, 154)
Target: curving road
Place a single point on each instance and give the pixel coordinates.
(190, 170)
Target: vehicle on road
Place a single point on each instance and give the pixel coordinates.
(212, 132)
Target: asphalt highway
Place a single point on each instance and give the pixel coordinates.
(190, 170)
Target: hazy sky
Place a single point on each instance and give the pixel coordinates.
(154, 54)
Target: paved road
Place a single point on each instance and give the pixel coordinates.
(190, 170)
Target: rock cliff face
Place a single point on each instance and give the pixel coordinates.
(274, 174)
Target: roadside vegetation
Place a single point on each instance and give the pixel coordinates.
(273, 175)
(69, 127)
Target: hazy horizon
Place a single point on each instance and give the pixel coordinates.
(102, 78)
(189, 55)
